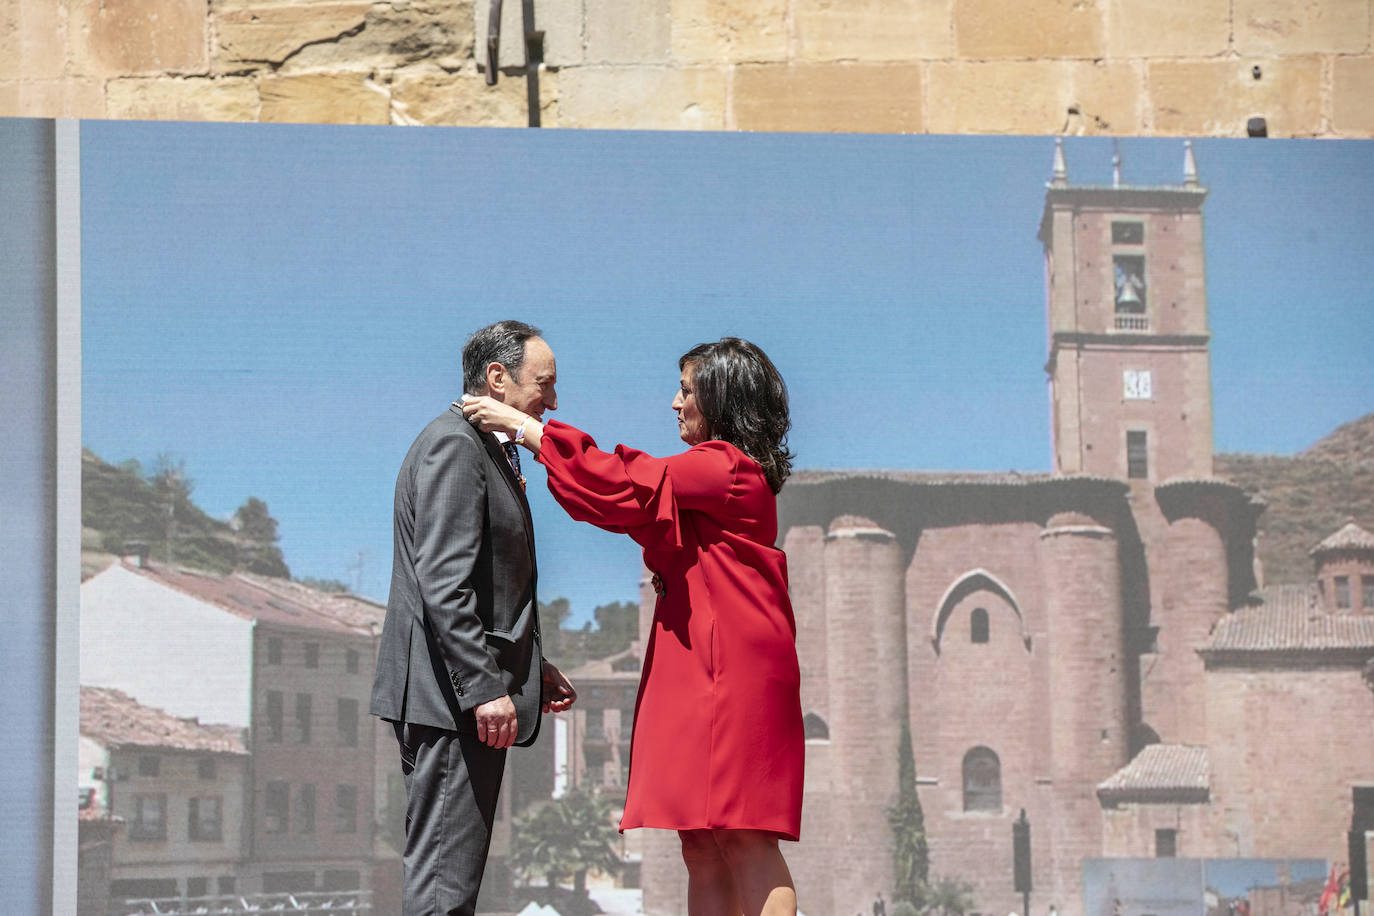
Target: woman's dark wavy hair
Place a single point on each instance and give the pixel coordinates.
(743, 399)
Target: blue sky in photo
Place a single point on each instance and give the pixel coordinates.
(283, 307)
(1235, 877)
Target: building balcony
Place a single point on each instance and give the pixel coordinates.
(1132, 322)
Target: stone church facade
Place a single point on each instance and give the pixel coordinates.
(1091, 645)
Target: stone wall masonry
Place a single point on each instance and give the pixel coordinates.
(1201, 97)
(1283, 27)
(1128, 831)
(1124, 67)
(1353, 96)
(110, 38)
(74, 98)
(33, 39)
(863, 582)
(1190, 581)
(873, 30)
(336, 98)
(805, 548)
(269, 36)
(231, 98)
(729, 30)
(1266, 793)
(828, 97)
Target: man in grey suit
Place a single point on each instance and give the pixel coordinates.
(459, 671)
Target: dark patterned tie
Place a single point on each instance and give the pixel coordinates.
(513, 456)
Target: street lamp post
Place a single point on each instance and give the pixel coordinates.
(1021, 860)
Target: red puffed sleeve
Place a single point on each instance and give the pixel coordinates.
(628, 491)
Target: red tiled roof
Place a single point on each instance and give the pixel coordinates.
(1290, 618)
(115, 719)
(1350, 537)
(622, 666)
(341, 606)
(271, 600)
(1177, 773)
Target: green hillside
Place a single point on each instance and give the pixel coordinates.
(1309, 495)
(124, 510)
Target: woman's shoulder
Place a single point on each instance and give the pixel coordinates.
(725, 449)
(745, 470)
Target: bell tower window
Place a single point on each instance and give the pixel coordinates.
(1128, 233)
(1130, 298)
(1129, 270)
(1137, 455)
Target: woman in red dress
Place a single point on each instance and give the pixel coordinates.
(717, 750)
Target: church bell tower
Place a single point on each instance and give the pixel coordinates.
(1130, 384)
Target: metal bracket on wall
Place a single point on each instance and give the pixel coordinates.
(534, 54)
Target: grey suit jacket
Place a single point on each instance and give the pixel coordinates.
(462, 621)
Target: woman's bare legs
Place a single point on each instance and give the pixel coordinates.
(710, 886)
(734, 871)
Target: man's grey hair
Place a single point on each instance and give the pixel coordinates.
(502, 342)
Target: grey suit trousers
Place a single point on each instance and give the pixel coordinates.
(452, 784)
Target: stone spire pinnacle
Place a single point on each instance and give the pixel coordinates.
(1116, 164)
(1060, 178)
(1189, 165)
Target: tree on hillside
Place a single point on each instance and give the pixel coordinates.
(617, 626)
(170, 480)
(258, 549)
(551, 617)
(253, 521)
(172, 488)
(570, 836)
(155, 513)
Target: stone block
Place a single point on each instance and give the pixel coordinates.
(128, 37)
(1216, 98)
(1264, 27)
(64, 98)
(33, 40)
(1352, 96)
(642, 98)
(1168, 28)
(396, 35)
(869, 98)
(561, 21)
(721, 31)
(633, 33)
(325, 98)
(1026, 97)
(173, 99)
(1104, 98)
(429, 95)
(271, 35)
(873, 30)
(1035, 28)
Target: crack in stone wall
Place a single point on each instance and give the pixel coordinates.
(331, 40)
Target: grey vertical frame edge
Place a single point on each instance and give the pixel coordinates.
(67, 528)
